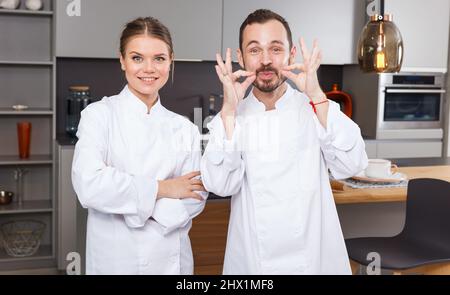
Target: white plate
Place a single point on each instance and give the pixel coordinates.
(394, 178)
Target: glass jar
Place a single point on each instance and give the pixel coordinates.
(78, 99)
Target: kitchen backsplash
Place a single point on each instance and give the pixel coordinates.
(192, 82)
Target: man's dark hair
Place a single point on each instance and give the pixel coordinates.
(261, 16)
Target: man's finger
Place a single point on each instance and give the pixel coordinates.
(304, 49)
(315, 53)
(220, 63)
(219, 73)
(296, 66)
(318, 60)
(288, 74)
(240, 73)
(248, 81)
(228, 64)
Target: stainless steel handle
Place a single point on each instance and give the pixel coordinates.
(415, 91)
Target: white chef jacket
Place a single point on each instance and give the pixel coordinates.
(121, 154)
(283, 216)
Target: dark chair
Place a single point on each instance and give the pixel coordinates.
(423, 246)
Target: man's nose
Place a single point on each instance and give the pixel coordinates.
(266, 58)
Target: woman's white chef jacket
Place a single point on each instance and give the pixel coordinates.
(121, 153)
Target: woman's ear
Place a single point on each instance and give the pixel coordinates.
(122, 63)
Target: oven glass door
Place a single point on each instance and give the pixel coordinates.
(412, 105)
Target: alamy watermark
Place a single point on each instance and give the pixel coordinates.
(73, 8)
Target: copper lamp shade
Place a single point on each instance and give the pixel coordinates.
(380, 46)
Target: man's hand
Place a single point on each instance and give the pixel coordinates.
(182, 187)
(233, 90)
(307, 81)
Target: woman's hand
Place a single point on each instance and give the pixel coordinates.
(233, 90)
(307, 81)
(182, 187)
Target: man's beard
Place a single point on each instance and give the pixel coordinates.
(268, 86)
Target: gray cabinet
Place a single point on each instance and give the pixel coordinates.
(27, 75)
(396, 149)
(72, 217)
(195, 25)
(371, 148)
(67, 203)
(424, 26)
(333, 23)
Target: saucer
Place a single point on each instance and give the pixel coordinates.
(394, 178)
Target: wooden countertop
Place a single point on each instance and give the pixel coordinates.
(373, 195)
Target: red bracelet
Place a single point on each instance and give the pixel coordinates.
(314, 104)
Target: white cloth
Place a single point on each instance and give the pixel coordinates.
(121, 153)
(283, 216)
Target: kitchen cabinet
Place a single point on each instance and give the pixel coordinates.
(209, 235)
(424, 26)
(335, 24)
(409, 149)
(371, 148)
(397, 149)
(195, 25)
(67, 204)
(72, 217)
(27, 75)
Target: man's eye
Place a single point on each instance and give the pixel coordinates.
(277, 50)
(254, 50)
(137, 58)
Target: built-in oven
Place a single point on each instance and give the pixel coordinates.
(411, 101)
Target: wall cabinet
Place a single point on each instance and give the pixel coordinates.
(195, 25)
(424, 26)
(334, 23)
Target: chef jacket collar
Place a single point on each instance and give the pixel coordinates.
(281, 103)
(138, 106)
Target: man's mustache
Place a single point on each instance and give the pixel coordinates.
(266, 69)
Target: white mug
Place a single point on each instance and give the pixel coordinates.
(380, 168)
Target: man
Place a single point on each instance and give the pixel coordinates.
(272, 151)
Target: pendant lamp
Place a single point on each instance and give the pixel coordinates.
(380, 46)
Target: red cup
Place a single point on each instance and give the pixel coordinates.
(24, 136)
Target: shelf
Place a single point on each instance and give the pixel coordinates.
(26, 207)
(33, 160)
(27, 112)
(44, 252)
(25, 12)
(25, 63)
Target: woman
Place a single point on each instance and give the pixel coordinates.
(136, 166)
